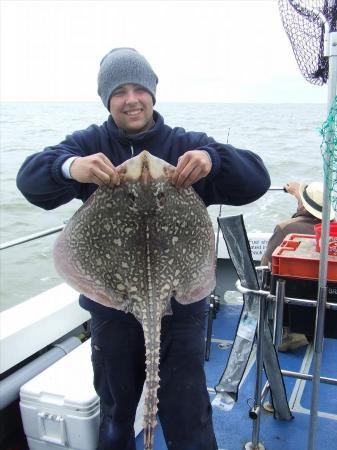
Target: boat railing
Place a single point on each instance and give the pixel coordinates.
(278, 300)
(32, 237)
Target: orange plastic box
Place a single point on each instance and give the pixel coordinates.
(297, 257)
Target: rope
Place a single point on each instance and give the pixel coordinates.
(329, 153)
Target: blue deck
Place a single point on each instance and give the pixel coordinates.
(234, 428)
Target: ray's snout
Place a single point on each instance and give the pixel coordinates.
(145, 176)
(144, 168)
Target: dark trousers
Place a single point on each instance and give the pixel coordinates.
(118, 358)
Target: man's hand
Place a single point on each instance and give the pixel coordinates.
(192, 166)
(96, 169)
(292, 188)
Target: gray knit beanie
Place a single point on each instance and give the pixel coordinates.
(121, 66)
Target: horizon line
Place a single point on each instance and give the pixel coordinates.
(176, 101)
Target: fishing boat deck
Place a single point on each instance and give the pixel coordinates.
(234, 428)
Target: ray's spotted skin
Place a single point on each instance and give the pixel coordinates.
(133, 247)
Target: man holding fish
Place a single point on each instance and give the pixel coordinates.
(219, 173)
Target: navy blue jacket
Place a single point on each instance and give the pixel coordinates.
(237, 177)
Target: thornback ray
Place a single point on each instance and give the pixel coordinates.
(133, 247)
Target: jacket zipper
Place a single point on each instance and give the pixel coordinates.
(132, 151)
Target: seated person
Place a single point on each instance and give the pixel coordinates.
(309, 213)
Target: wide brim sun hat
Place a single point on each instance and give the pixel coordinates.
(312, 198)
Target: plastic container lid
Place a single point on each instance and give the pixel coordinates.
(66, 384)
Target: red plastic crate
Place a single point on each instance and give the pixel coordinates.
(332, 246)
(297, 257)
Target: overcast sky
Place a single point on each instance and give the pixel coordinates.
(212, 51)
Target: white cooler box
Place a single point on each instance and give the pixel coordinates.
(60, 408)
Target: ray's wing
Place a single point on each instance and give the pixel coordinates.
(183, 247)
(100, 251)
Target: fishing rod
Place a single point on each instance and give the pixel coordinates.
(214, 299)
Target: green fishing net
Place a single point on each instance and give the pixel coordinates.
(329, 153)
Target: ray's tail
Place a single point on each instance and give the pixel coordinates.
(152, 343)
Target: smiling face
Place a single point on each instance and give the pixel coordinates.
(131, 107)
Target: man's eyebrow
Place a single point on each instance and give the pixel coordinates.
(119, 89)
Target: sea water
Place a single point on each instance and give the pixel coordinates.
(286, 136)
